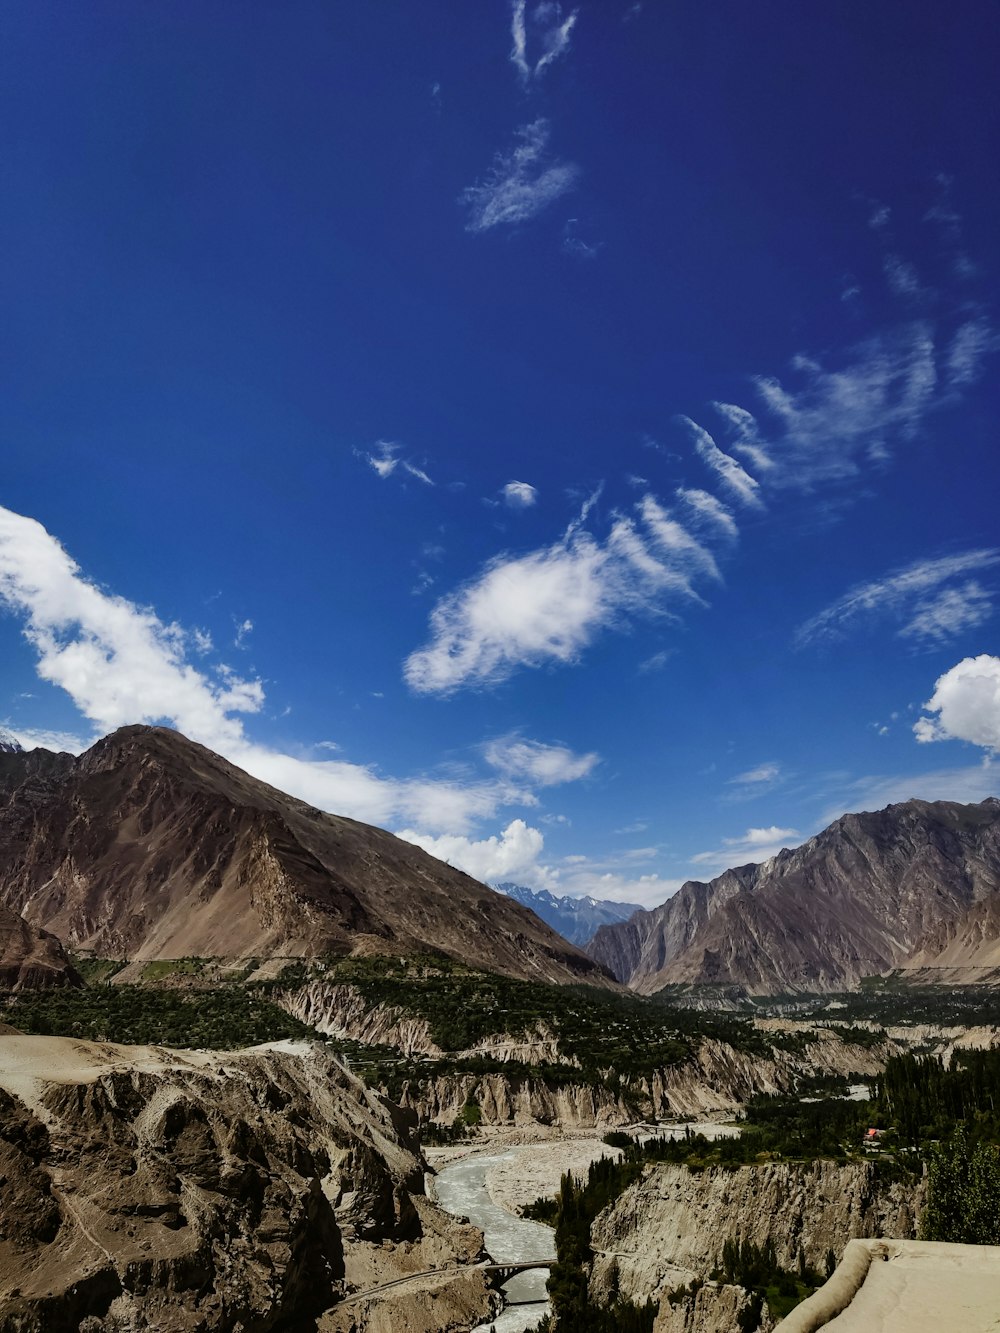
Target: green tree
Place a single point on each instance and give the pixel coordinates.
(963, 1193)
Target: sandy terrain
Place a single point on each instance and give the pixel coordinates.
(28, 1064)
(927, 1288)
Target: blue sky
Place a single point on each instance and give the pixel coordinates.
(566, 436)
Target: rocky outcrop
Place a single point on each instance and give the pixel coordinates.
(916, 885)
(717, 1079)
(340, 1010)
(519, 1100)
(713, 1308)
(150, 846)
(250, 1190)
(671, 1226)
(31, 958)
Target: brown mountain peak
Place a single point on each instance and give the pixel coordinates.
(151, 846)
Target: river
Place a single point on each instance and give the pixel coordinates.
(461, 1189)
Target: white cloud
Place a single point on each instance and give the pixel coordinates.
(737, 481)
(34, 738)
(972, 342)
(755, 845)
(536, 763)
(754, 776)
(511, 855)
(519, 495)
(971, 783)
(901, 276)
(548, 605)
(745, 435)
(761, 837)
(673, 540)
(951, 611)
(385, 460)
(914, 594)
(657, 662)
(966, 701)
(243, 631)
(417, 472)
(121, 664)
(547, 28)
(514, 855)
(520, 184)
(707, 511)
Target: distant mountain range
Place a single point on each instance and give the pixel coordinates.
(576, 919)
(915, 886)
(149, 846)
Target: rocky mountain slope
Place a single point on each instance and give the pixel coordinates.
(576, 919)
(150, 846)
(916, 885)
(30, 957)
(248, 1190)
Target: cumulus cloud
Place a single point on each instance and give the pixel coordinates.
(519, 495)
(548, 605)
(965, 705)
(536, 763)
(923, 595)
(520, 184)
(510, 855)
(515, 856)
(121, 664)
(543, 30)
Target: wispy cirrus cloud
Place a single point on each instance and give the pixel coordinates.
(385, 458)
(520, 184)
(753, 783)
(537, 763)
(546, 606)
(734, 478)
(925, 596)
(539, 36)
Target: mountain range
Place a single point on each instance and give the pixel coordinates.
(915, 886)
(576, 919)
(150, 846)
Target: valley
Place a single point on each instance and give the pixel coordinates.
(260, 1132)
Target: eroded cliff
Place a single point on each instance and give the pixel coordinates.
(249, 1190)
(671, 1225)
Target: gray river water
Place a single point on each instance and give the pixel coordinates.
(461, 1190)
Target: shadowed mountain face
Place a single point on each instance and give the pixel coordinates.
(150, 846)
(915, 886)
(576, 919)
(31, 958)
